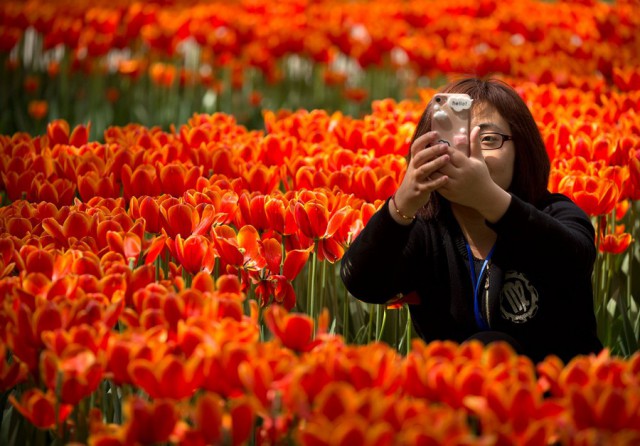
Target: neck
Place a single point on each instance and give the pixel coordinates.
(480, 237)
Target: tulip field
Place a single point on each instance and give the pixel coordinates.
(179, 180)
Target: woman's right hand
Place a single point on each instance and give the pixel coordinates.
(427, 157)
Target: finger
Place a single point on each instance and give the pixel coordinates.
(423, 141)
(475, 150)
(430, 153)
(425, 170)
(436, 181)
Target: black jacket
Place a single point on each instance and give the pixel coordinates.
(540, 289)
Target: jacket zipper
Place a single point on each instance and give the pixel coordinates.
(486, 295)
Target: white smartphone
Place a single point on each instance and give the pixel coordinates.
(451, 118)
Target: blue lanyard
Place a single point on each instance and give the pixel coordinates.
(475, 281)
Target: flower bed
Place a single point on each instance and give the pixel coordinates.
(170, 277)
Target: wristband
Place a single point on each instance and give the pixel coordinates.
(402, 216)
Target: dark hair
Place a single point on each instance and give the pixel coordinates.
(531, 166)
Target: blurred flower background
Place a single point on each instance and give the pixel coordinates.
(180, 179)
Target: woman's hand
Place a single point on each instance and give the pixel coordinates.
(469, 182)
(418, 183)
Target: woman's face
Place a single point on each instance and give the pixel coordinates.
(499, 161)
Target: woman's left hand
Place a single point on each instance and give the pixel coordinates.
(470, 182)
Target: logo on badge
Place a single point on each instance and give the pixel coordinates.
(518, 298)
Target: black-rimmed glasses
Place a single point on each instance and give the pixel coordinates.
(493, 140)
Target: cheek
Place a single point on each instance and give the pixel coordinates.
(501, 170)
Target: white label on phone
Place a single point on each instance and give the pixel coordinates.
(459, 103)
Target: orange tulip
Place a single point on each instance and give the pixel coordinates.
(18, 181)
(175, 178)
(82, 334)
(9, 38)
(355, 94)
(634, 173)
(221, 374)
(171, 377)
(186, 220)
(252, 211)
(278, 215)
(59, 191)
(609, 408)
(277, 282)
(58, 132)
(239, 250)
(516, 414)
(596, 196)
(25, 327)
(129, 244)
(76, 226)
(11, 373)
(125, 349)
(194, 253)
(212, 422)
(261, 178)
(627, 78)
(38, 109)
(92, 184)
(158, 246)
(143, 180)
(38, 261)
(80, 135)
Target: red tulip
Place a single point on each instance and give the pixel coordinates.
(80, 135)
(149, 422)
(615, 243)
(75, 374)
(295, 331)
(41, 408)
(149, 209)
(58, 132)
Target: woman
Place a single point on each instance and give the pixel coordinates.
(491, 254)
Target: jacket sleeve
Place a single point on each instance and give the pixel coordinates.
(560, 233)
(377, 267)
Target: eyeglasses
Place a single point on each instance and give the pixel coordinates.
(493, 140)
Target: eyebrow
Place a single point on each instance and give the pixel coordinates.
(490, 126)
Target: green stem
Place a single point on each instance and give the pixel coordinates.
(59, 427)
(372, 309)
(312, 283)
(117, 404)
(345, 315)
(381, 311)
(408, 337)
(323, 285)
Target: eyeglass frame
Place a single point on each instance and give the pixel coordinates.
(504, 137)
